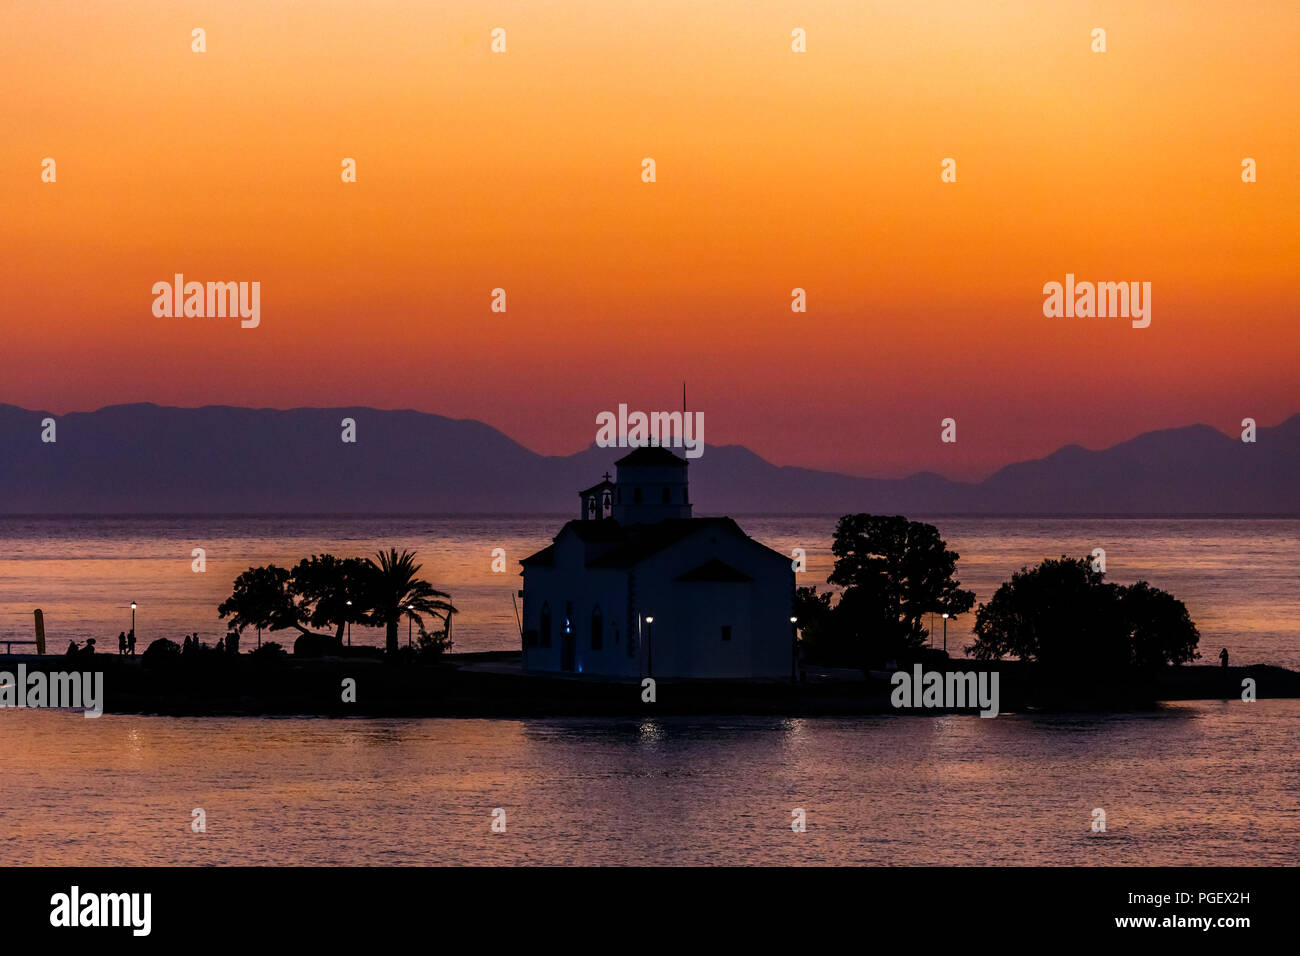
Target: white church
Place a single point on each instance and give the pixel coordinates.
(636, 587)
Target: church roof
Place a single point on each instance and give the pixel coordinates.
(629, 545)
(650, 456)
(606, 529)
(546, 556)
(714, 570)
(600, 487)
(644, 540)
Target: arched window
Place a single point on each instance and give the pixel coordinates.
(597, 629)
(544, 628)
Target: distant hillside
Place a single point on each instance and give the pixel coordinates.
(150, 459)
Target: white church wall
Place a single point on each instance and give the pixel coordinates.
(689, 615)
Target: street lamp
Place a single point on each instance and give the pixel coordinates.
(409, 616)
(794, 649)
(945, 633)
(650, 647)
(349, 613)
(133, 606)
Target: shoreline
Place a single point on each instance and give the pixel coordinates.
(490, 685)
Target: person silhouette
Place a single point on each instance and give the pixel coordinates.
(1223, 657)
(89, 649)
(121, 642)
(130, 643)
(73, 649)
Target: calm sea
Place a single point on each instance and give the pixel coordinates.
(1238, 576)
(1191, 783)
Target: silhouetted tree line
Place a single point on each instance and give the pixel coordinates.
(325, 591)
(895, 574)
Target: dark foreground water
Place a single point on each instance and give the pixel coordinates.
(1238, 576)
(1192, 784)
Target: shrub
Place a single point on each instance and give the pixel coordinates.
(270, 651)
(161, 653)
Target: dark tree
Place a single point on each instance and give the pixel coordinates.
(816, 634)
(261, 599)
(1049, 614)
(322, 587)
(1160, 630)
(1062, 614)
(894, 573)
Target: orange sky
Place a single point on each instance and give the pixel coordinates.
(775, 170)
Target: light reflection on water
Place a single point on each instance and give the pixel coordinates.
(1194, 783)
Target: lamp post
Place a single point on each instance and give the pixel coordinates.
(409, 609)
(650, 647)
(133, 605)
(945, 633)
(349, 624)
(794, 650)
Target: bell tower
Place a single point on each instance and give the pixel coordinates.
(597, 501)
(651, 487)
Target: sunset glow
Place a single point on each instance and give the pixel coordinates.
(774, 171)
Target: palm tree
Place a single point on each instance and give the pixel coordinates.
(397, 591)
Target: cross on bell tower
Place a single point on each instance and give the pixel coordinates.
(597, 501)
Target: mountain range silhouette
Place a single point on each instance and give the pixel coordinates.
(151, 459)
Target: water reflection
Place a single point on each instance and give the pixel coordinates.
(1183, 785)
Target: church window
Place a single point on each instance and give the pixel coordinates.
(545, 627)
(597, 629)
(726, 632)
